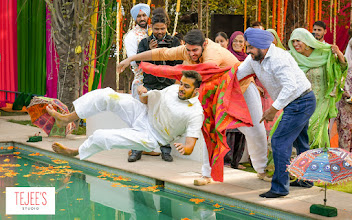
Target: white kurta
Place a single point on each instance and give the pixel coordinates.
(131, 41)
(143, 133)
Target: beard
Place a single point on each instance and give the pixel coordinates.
(259, 56)
(319, 38)
(144, 25)
(185, 97)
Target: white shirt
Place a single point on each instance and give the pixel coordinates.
(348, 54)
(173, 117)
(280, 75)
(132, 39)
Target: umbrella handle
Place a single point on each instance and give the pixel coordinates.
(325, 196)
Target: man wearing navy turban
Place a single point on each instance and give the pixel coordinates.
(290, 89)
(140, 13)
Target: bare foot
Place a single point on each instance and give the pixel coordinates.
(241, 167)
(59, 118)
(60, 149)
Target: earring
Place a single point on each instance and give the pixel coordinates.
(307, 48)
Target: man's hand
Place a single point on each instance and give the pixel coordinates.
(141, 89)
(153, 44)
(346, 95)
(261, 91)
(269, 114)
(180, 147)
(123, 65)
(187, 148)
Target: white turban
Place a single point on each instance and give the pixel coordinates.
(140, 7)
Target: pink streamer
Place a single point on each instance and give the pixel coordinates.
(52, 60)
(8, 50)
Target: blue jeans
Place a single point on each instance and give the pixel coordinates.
(291, 131)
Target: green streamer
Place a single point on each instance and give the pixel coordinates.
(31, 24)
(104, 43)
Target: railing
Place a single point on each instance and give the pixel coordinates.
(16, 93)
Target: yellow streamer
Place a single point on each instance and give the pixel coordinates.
(245, 15)
(92, 45)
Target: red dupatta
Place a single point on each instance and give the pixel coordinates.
(222, 101)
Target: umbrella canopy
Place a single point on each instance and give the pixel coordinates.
(41, 118)
(323, 165)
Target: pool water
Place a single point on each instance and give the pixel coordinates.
(107, 195)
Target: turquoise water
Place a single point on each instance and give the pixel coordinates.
(107, 195)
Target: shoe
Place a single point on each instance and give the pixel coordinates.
(202, 181)
(264, 177)
(302, 183)
(270, 195)
(135, 155)
(167, 157)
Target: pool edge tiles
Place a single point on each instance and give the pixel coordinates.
(86, 166)
(231, 202)
(93, 168)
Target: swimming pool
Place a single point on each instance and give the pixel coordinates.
(90, 191)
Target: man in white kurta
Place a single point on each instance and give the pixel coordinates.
(140, 14)
(162, 120)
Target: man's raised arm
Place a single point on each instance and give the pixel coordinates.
(174, 53)
(147, 55)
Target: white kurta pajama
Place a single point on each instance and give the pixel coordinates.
(131, 41)
(164, 120)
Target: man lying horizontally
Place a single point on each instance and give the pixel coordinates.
(159, 118)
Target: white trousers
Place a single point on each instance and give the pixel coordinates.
(139, 136)
(256, 139)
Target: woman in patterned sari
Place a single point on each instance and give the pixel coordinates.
(325, 67)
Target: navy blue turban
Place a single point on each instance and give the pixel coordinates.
(258, 38)
(140, 7)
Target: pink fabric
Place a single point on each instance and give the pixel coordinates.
(52, 61)
(342, 25)
(8, 49)
(86, 73)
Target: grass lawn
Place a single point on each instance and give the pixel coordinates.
(342, 187)
(79, 131)
(4, 113)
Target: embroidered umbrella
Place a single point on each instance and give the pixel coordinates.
(327, 165)
(41, 118)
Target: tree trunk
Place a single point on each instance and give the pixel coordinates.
(67, 90)
(294, 18)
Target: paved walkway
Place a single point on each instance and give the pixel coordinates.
(238, 184)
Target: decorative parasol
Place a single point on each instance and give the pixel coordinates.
(327, 165)
(41, 118)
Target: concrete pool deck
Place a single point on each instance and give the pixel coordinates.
(240, 185)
